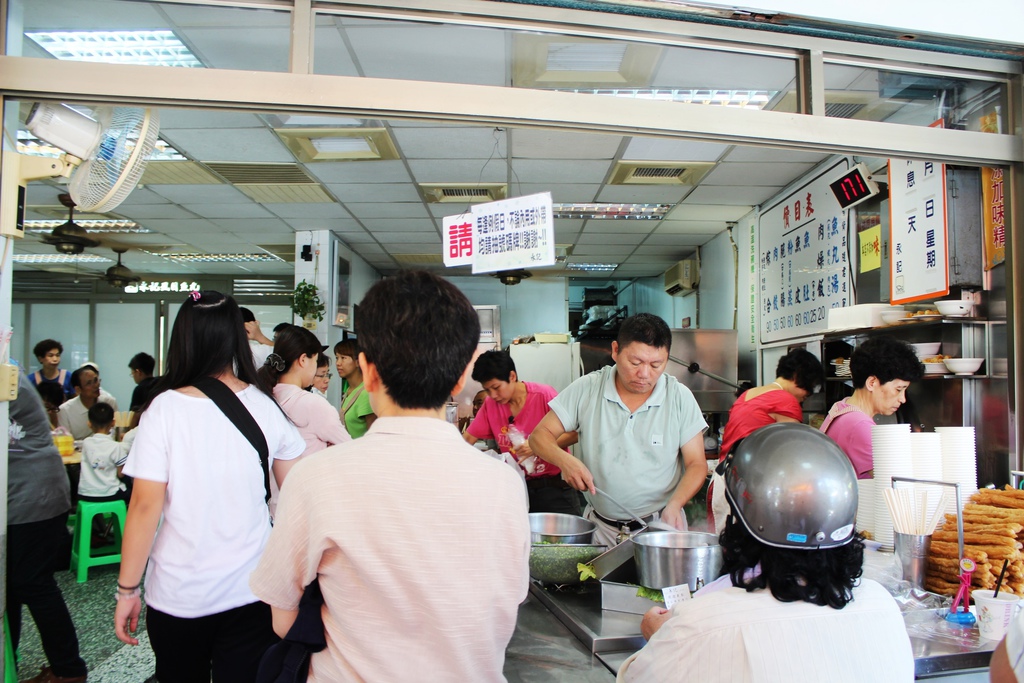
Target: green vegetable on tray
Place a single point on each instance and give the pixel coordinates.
(586, 571)
(650, 593)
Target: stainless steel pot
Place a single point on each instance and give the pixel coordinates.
(672, 558)
(554, 527)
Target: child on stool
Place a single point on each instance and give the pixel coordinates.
(102, 459)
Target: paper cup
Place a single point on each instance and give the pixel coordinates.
(994, 613)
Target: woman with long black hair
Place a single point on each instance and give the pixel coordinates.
(194, 468)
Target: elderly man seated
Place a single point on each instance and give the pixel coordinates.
(74, 414)
(790, 604)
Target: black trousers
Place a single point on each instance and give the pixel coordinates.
(34, 551)
(552, 494)
(228, 644)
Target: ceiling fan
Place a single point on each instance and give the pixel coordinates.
(512, 277)
(70, 237)
(120, 276)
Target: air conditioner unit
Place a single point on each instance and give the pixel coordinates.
(682, 278)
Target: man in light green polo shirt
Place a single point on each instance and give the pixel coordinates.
(641, 433)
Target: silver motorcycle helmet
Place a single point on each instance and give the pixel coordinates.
(792, 487)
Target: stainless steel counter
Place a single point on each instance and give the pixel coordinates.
(940, 648)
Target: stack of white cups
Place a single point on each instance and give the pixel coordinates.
(959, 461)
(926, 456)
(866, 505)
(890, 449)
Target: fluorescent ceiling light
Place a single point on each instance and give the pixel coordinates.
(218, 258)
(612, 211)
(311, 120)
(343, 145)
(151, 48)
(585, 57)
(59, 258)
(743, 99)
(592, 267)
(112, 227)
(33, 146)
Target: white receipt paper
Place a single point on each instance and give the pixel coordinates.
(674, 594)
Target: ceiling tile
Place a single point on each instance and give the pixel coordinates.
(679, 239)
(459, 171)
(662, 252)
(772, 155)
(375, 225)
(556, 171)
(361, 237)
(140, 212)
(621, 238)
(733, 196)
(254, 225)
(612, 252)
(545, 144)
(323, 223)
(422, 236)
(305, 210)
(415, 248)
(379, 171)
(451, 142)
(389, 210)
(670, 227)
(235, 46)
(619, 225)
(330, 55)
(205, 119)
(43, 194)
(202, 194)
(776, 174)
(174, 226)
(683, 67)
(560, 194)
(143, 195)
(228, 210)
(107, 15)
(643, 194)
(382, 192)
(230, 144)
(660, 149)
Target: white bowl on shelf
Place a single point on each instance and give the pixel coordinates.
(928, 349)
(963, 366)
(935, 368)
(954, 307)
(891, 317)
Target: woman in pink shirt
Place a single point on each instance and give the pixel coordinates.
(290, 369)
(509, 414)
(882, 369)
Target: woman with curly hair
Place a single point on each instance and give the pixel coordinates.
(882, 368)
(790, 603)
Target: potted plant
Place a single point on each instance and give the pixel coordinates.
(306, 304)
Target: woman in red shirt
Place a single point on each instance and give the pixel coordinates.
(797, 376)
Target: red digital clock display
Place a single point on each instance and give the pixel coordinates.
(853, 187)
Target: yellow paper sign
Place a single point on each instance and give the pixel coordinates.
(870, 248)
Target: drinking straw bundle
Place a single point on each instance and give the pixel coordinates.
(910, 511)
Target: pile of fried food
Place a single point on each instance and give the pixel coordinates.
(935, 359)
(927, 311)
(993, 532)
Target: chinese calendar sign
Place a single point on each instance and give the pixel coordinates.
(513, 233)
(803, 260)
(458, 240)
(918, 267)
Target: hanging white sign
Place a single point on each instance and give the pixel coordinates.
(513, 233)
(458, 239)
(918, 267)
(803, 260)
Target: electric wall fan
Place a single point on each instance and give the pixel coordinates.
(104, 157)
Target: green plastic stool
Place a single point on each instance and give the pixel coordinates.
(81, 545)
(10, 661)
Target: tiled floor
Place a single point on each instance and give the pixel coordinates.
(92, 609)
(541, 650)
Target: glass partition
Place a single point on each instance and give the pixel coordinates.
(114, 350)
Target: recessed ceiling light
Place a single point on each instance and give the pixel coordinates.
(585, 56)
(59, 258)
(612, 211)
(343, 145)
(592, 267)
(742, 99)
(113, 227)
(218, 258)
(151, 48)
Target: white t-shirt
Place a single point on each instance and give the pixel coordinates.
(74, 417)
(215, 520)
(732, 636)
(101, 456)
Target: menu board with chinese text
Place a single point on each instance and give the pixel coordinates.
(803, 260)
(918, 264)
(513, 233)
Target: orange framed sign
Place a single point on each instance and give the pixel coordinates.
(918, 241)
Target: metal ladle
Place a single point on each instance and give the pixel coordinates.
(643, 525)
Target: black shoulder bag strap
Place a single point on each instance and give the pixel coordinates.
(232, 407)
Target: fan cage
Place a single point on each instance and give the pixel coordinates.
(100, 184)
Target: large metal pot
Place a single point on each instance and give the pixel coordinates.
(672, 558)
(555, 527)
